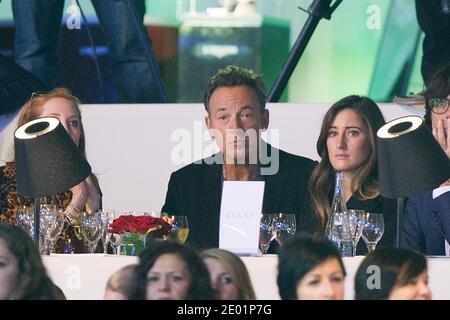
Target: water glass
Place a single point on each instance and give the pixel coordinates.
(284, 227)
(373, 230)
(340, 233)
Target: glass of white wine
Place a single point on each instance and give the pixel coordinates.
(180, 229)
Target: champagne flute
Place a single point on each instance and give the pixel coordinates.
(180, 229)
(107, 217)
(58, 228)
(357, 220)
(265, 232)
(284, 227)
(373, 230)
(48, 223)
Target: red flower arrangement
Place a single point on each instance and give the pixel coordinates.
(143, 225)
(137, 231)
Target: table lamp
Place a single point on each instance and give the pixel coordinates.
(410, 161)
(47, 162)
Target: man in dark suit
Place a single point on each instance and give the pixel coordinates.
(235, 103)
(427, 215)
(427, 223)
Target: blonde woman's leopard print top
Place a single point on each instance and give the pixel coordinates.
(11, 201)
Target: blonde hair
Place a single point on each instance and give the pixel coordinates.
(120, 281)
(32, 109)
(237, 270)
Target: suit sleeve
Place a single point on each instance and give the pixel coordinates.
(413, 236)
(171, 204)
(441, 212)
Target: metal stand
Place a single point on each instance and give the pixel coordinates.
(145, 43)
(400, 219)
(37, 219)
(317, 10)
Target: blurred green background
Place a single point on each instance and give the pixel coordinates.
(361, 50)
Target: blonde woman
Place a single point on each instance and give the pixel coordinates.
(59, 103)
(229, 275)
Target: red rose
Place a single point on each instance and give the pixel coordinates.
(163, 231)
(119, 225)
(141, 225)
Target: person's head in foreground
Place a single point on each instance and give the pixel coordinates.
(170, 271)
(22, 273)
(310, 269)
(119, 284)
(229, 275)
(392, 274)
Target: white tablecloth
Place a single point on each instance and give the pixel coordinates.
(84, 276)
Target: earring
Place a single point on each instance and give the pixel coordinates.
(213, 138)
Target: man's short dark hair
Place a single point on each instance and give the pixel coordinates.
(439, 87)
(232, 76)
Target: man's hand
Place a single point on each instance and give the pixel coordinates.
(442, 136)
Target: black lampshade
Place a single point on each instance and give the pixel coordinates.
(47, 160)
(410, 160)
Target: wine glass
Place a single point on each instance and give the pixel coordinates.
(24, 219)
(76, 220)
(283, 227)
(373, 230)
(180, 228)
(357, 220)
(265, 232)
(91, 228)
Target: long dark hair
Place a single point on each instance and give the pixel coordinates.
(200, 288)
(298, 257)
(365, 180)
(397, 266)
(33, 282)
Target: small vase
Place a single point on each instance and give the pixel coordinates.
(132, 244)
